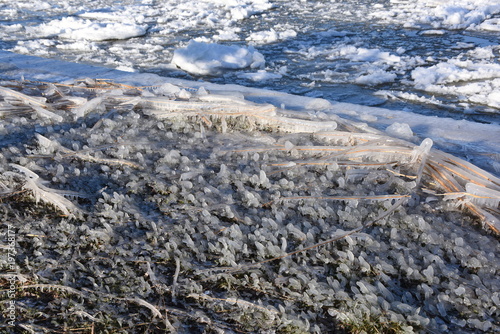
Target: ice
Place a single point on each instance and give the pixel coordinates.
(210, 59)
(437, 80)
(482, 195)
(271, 36)
(95, 104)
(400, 130)
(50, 196)
(260, 75)
(77, 29)
(452, 78)
(490, 25)
(376, 77)
(371, 55)
(456, 14)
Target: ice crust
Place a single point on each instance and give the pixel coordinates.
(169, 202)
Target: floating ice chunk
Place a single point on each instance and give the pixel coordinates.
(454, 70)
(377, 77)
(167, 89)
(432, 32)
(271, 36)
(369, 55)
(400, 130)
(490, 25)
(74, 28)
(493, 99)
(239, 10)
(211, 59)
(260, 75)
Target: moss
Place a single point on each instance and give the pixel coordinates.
(291, 329)
(372, 325)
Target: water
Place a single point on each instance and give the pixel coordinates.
(322, 58)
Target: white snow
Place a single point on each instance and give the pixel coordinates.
(211, 59)
(368, 55)
(490, 25)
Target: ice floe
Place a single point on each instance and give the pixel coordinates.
(210, 59)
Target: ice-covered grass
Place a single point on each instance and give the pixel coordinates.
(205, 211)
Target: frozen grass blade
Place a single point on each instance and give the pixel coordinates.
(30, 100)
(38, 104)
(51, 145)
(49, 196)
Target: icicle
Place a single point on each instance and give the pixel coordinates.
(96, 104)
(30, 100)
(492, 221)
(421, 153)
(465, 170)
(46, 143)
(483, 196)
(47, 114)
